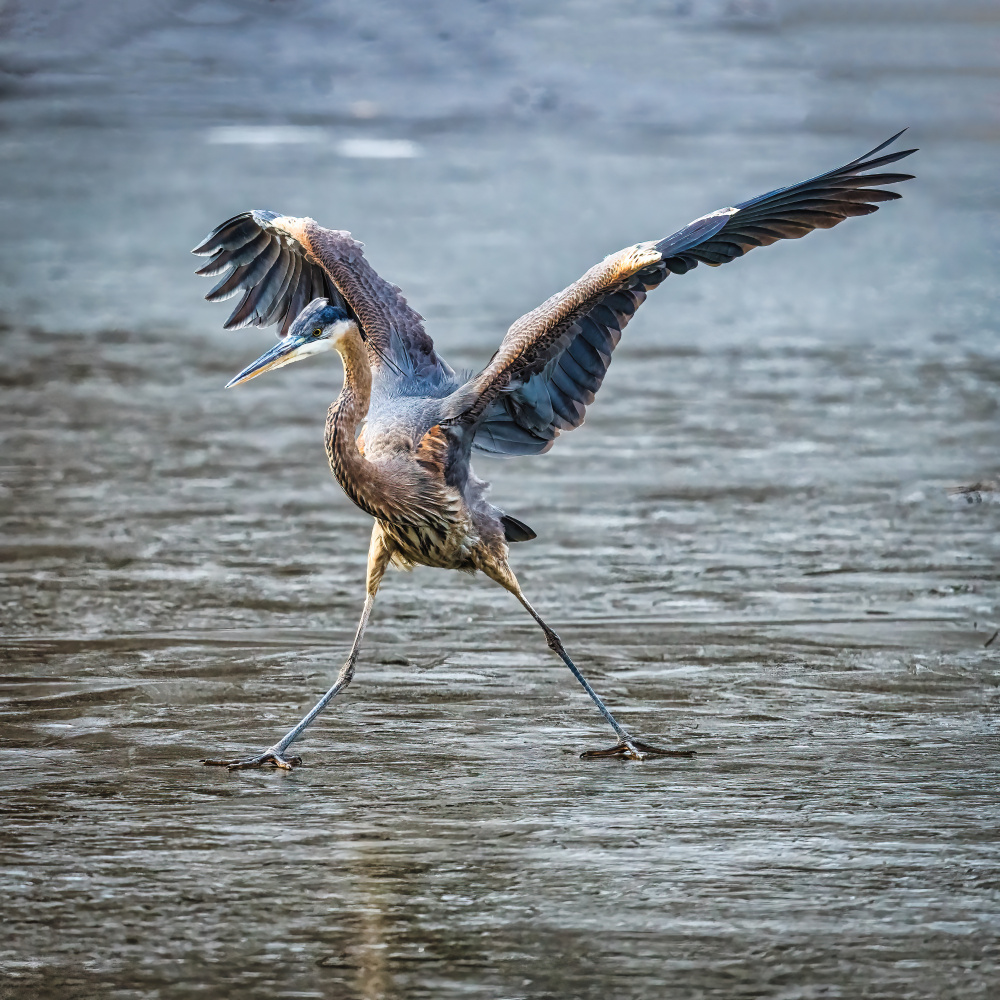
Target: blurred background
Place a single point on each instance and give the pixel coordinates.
(749, 545)
(531, 138)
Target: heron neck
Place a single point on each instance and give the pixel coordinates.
(356, 475)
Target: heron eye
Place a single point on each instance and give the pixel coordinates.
(317, 333)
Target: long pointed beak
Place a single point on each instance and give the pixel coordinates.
(283, 353)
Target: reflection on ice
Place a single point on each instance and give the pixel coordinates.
(264, 135)
(379, 149)
(298, 135)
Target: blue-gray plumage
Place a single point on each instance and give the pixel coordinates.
(400, 436)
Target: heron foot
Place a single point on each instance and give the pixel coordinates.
(635, 750)
(273, 757)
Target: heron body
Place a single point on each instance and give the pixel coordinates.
(401, 434)
(397, 473)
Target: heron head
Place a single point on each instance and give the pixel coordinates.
(320, 327)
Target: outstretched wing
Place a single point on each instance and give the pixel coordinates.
(280, 264)
(271, 271)
(553, 359)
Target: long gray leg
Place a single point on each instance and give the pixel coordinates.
(344, 678)
(378, 559)
(627, 746)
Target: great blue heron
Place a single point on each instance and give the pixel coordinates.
(409, 467)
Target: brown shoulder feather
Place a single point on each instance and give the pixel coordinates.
(432, 451)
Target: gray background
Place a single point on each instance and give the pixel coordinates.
(749, 546)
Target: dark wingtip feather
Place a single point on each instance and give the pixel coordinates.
(859, 181)
(209, 245)
(232, 323)
(211, 242)
(216, 238)
(212, 267)
(880, 147)
(515, 530)
(856, 166)
(220, 292)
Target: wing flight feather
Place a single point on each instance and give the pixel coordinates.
(553, 359)
(267, 266)
(279, 264)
